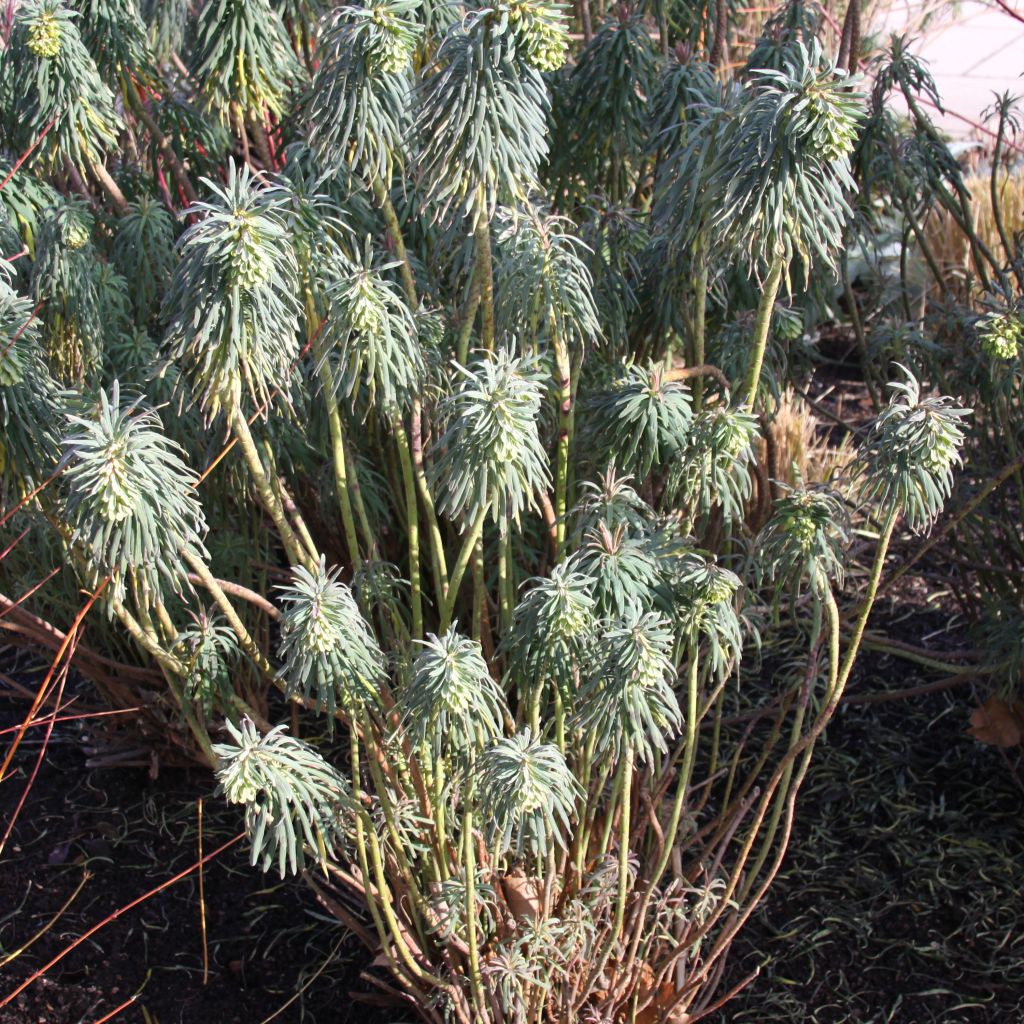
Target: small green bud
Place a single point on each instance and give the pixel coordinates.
(321, 636)
(76, 235)
(835, 134)
(366, 312)
(393, 46)
(250, 263)
(547, 46)
(944, 450)
(541, 29)
(119, 494)
(803, 529)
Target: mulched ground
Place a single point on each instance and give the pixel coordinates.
(111, 835)
(900, 899)
(899, 902)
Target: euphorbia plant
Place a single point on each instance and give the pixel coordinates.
(518, 761)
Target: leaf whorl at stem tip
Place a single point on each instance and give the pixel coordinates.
(328, 650)
(629, 704)
(130, 496)
(293, 798)
(451, 703)
(238, 266)
(906, 461)
(490, 458)
(527, 794)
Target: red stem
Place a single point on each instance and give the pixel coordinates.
(28, 497)
(51, 719)
(113, 917)
(28, 152)
(1010, 11)
(69, 642)
(28, 593)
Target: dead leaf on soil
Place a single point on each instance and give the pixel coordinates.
(998, 723)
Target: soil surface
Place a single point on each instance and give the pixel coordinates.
(899, 902)
(90, 841)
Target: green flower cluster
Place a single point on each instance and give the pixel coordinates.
(1001, 335)
(542, 30)
(250, 262)
(391, 46)
(43, 36)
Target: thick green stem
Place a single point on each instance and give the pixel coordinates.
(380, 193)
(469, 316)
(288, 503)
(563, 382)
(172, 669)
(341, 479)
(268, 497)
(337, 434)
(472, 941)
(412, 514)
(794, 737)
(762, 325)
(388, 927)
(369, 537)
(167, 661)
(482, 234)
(438, 561)
(869, 601)
(559, 717)
(97, 169)
(245, 640)
(586, 809)
(504, 571)
(801, 750)
(416, 899)
(461, 564)
(700, 291)
(440, 815)
(624, 789)
(479, 590)
(682, 791)
(624, 830)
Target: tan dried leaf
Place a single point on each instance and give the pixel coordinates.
(998, 723)
(523, 895)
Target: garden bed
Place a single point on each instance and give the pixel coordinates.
(898, 902)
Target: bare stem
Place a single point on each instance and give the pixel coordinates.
(762, 325)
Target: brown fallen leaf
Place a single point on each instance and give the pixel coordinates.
(662, 1002)
(998, 723)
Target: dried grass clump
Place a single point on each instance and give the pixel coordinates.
(948, 242)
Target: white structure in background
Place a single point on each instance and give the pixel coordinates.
(973, 50)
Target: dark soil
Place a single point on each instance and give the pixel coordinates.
(899, 902)
(113, 834)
